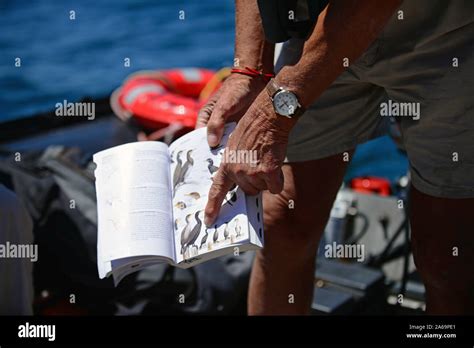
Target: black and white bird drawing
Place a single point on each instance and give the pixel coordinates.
(215, 237)
(237, 228)
(226, 231)
(212, 168)
(184, 170)
(177, 169)
(189, 238)
(204, 238)
(185, 233)
(186, 166)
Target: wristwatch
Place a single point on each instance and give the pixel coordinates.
(285, 102)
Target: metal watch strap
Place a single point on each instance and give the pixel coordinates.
(272, 87)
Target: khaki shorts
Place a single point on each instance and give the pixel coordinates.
(421, 66)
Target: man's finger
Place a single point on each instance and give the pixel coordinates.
(206, 111)
(215, 126)
(203, 116)
(275, 181)
(220, 186)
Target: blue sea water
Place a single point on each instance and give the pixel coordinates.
(68, 59)
(64, 58)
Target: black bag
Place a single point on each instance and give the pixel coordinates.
(215, 287)
(57, 187)
(60, 197)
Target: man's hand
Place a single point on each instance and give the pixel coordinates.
(228, 104)
(262, 133)
(238, 92)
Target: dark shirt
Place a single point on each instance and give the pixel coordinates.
(285, 19)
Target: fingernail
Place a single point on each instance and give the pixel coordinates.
(212, 139)
(208, 220)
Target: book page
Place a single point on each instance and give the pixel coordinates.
(134, 201)
(255, 235)
(193, 166)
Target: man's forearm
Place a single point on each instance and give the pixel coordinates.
(251, 48)
(345, 29)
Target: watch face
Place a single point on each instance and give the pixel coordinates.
(285, 103)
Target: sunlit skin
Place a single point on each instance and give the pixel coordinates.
(296, 232)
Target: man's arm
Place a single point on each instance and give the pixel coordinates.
(239, 91)
(251, 48)
(344, 30)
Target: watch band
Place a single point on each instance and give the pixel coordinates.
(272, 87)
(299, 111)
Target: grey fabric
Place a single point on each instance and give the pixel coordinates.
(16, 274)
(410, 62)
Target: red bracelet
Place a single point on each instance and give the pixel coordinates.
(252, 72)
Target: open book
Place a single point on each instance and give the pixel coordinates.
(151, 200)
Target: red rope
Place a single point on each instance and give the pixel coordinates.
(252, 72)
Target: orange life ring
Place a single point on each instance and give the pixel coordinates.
(161, 98)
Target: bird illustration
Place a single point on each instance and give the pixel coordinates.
(194, 195)
(185, 234)
(212, 168)
(196, 230)
(186, 167)
(204, 238)
(237, 228)
(189, 238)
(176, 224)
(180, 205)
(215, 237)
(177, 169)
(226, 231)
